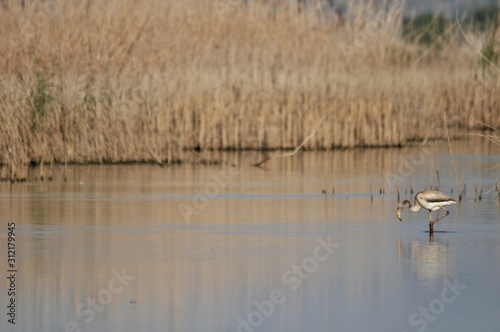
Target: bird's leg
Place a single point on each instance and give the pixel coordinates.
(431, 223)
(447, 212)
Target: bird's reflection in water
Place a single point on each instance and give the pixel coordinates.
(429, 260)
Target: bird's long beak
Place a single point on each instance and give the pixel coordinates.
(398, 215)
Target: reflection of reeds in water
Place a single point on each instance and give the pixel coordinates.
(479, 193)
(150, 81)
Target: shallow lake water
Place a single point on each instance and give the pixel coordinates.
(239, 248)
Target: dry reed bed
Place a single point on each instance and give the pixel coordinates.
(131, 80)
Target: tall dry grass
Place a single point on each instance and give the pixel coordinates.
(152, 80)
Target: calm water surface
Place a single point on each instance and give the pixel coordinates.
(216, 248)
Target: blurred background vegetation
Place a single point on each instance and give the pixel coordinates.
(162, 81)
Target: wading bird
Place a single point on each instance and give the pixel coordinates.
(431, 200)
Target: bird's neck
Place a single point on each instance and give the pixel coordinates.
(413, 208)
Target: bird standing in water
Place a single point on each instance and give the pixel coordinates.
(431, 200)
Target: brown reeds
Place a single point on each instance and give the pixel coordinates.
(151, 81)
(297, 149)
